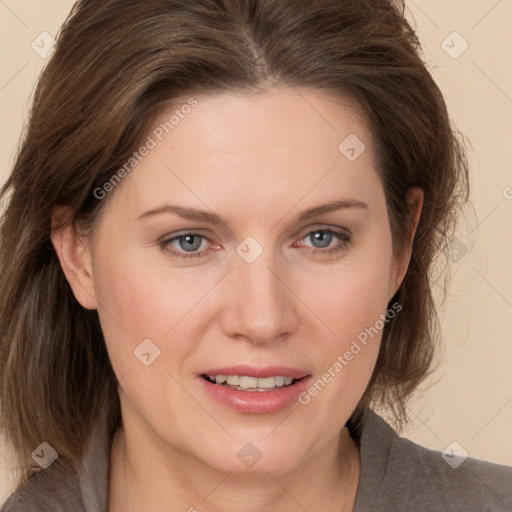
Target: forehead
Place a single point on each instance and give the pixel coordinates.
(271, 147)
(245, 123)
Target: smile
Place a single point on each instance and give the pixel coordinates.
(244, 383)
(252, 390)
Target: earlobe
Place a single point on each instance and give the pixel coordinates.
(74, 253)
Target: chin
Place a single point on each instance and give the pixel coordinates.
(279, 465)
(258, 458)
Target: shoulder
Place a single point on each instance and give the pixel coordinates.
(453, 480)
(62, 488)
(53, 489)
(407, 475)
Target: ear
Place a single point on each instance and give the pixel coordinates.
(74, 253)
(414, 198)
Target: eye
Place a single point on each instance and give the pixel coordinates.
(186, 242)
(324, 238)
(187, 245)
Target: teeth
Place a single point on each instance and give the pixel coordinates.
(280, 381)
(268, 382)
(233, 380)
(251, 383)
(248, 382)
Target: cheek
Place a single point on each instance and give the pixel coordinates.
(125, 305)
(354, 314)
(140, 303)
(355, 310)
(352, 296)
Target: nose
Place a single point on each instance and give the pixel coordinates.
(261, 306)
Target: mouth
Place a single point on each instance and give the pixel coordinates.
(252, 390)
(251, 384)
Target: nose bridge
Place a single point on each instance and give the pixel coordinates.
(261, 307)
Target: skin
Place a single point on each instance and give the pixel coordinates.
(258, 161)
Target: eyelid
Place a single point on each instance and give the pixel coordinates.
(321, 227)
(343, 235)
(302, 233)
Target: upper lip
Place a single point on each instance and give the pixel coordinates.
(253, 371)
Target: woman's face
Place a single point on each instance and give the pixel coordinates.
(205, 262)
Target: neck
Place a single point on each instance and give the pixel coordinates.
(146, 480)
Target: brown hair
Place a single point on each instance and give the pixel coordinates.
(116, 65)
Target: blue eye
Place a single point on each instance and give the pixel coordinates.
(189, 243)
(325, 238)
(186, 242)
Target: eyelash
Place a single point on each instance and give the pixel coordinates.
(344, 237)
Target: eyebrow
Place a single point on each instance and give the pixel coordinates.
(213, 218)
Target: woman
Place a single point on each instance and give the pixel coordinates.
(215, 262)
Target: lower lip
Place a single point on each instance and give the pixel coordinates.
(256, 402)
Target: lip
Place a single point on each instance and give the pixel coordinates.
(252, 371)
(256, 402)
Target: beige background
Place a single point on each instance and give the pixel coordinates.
(471, 400)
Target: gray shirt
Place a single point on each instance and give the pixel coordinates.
(397, 475)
